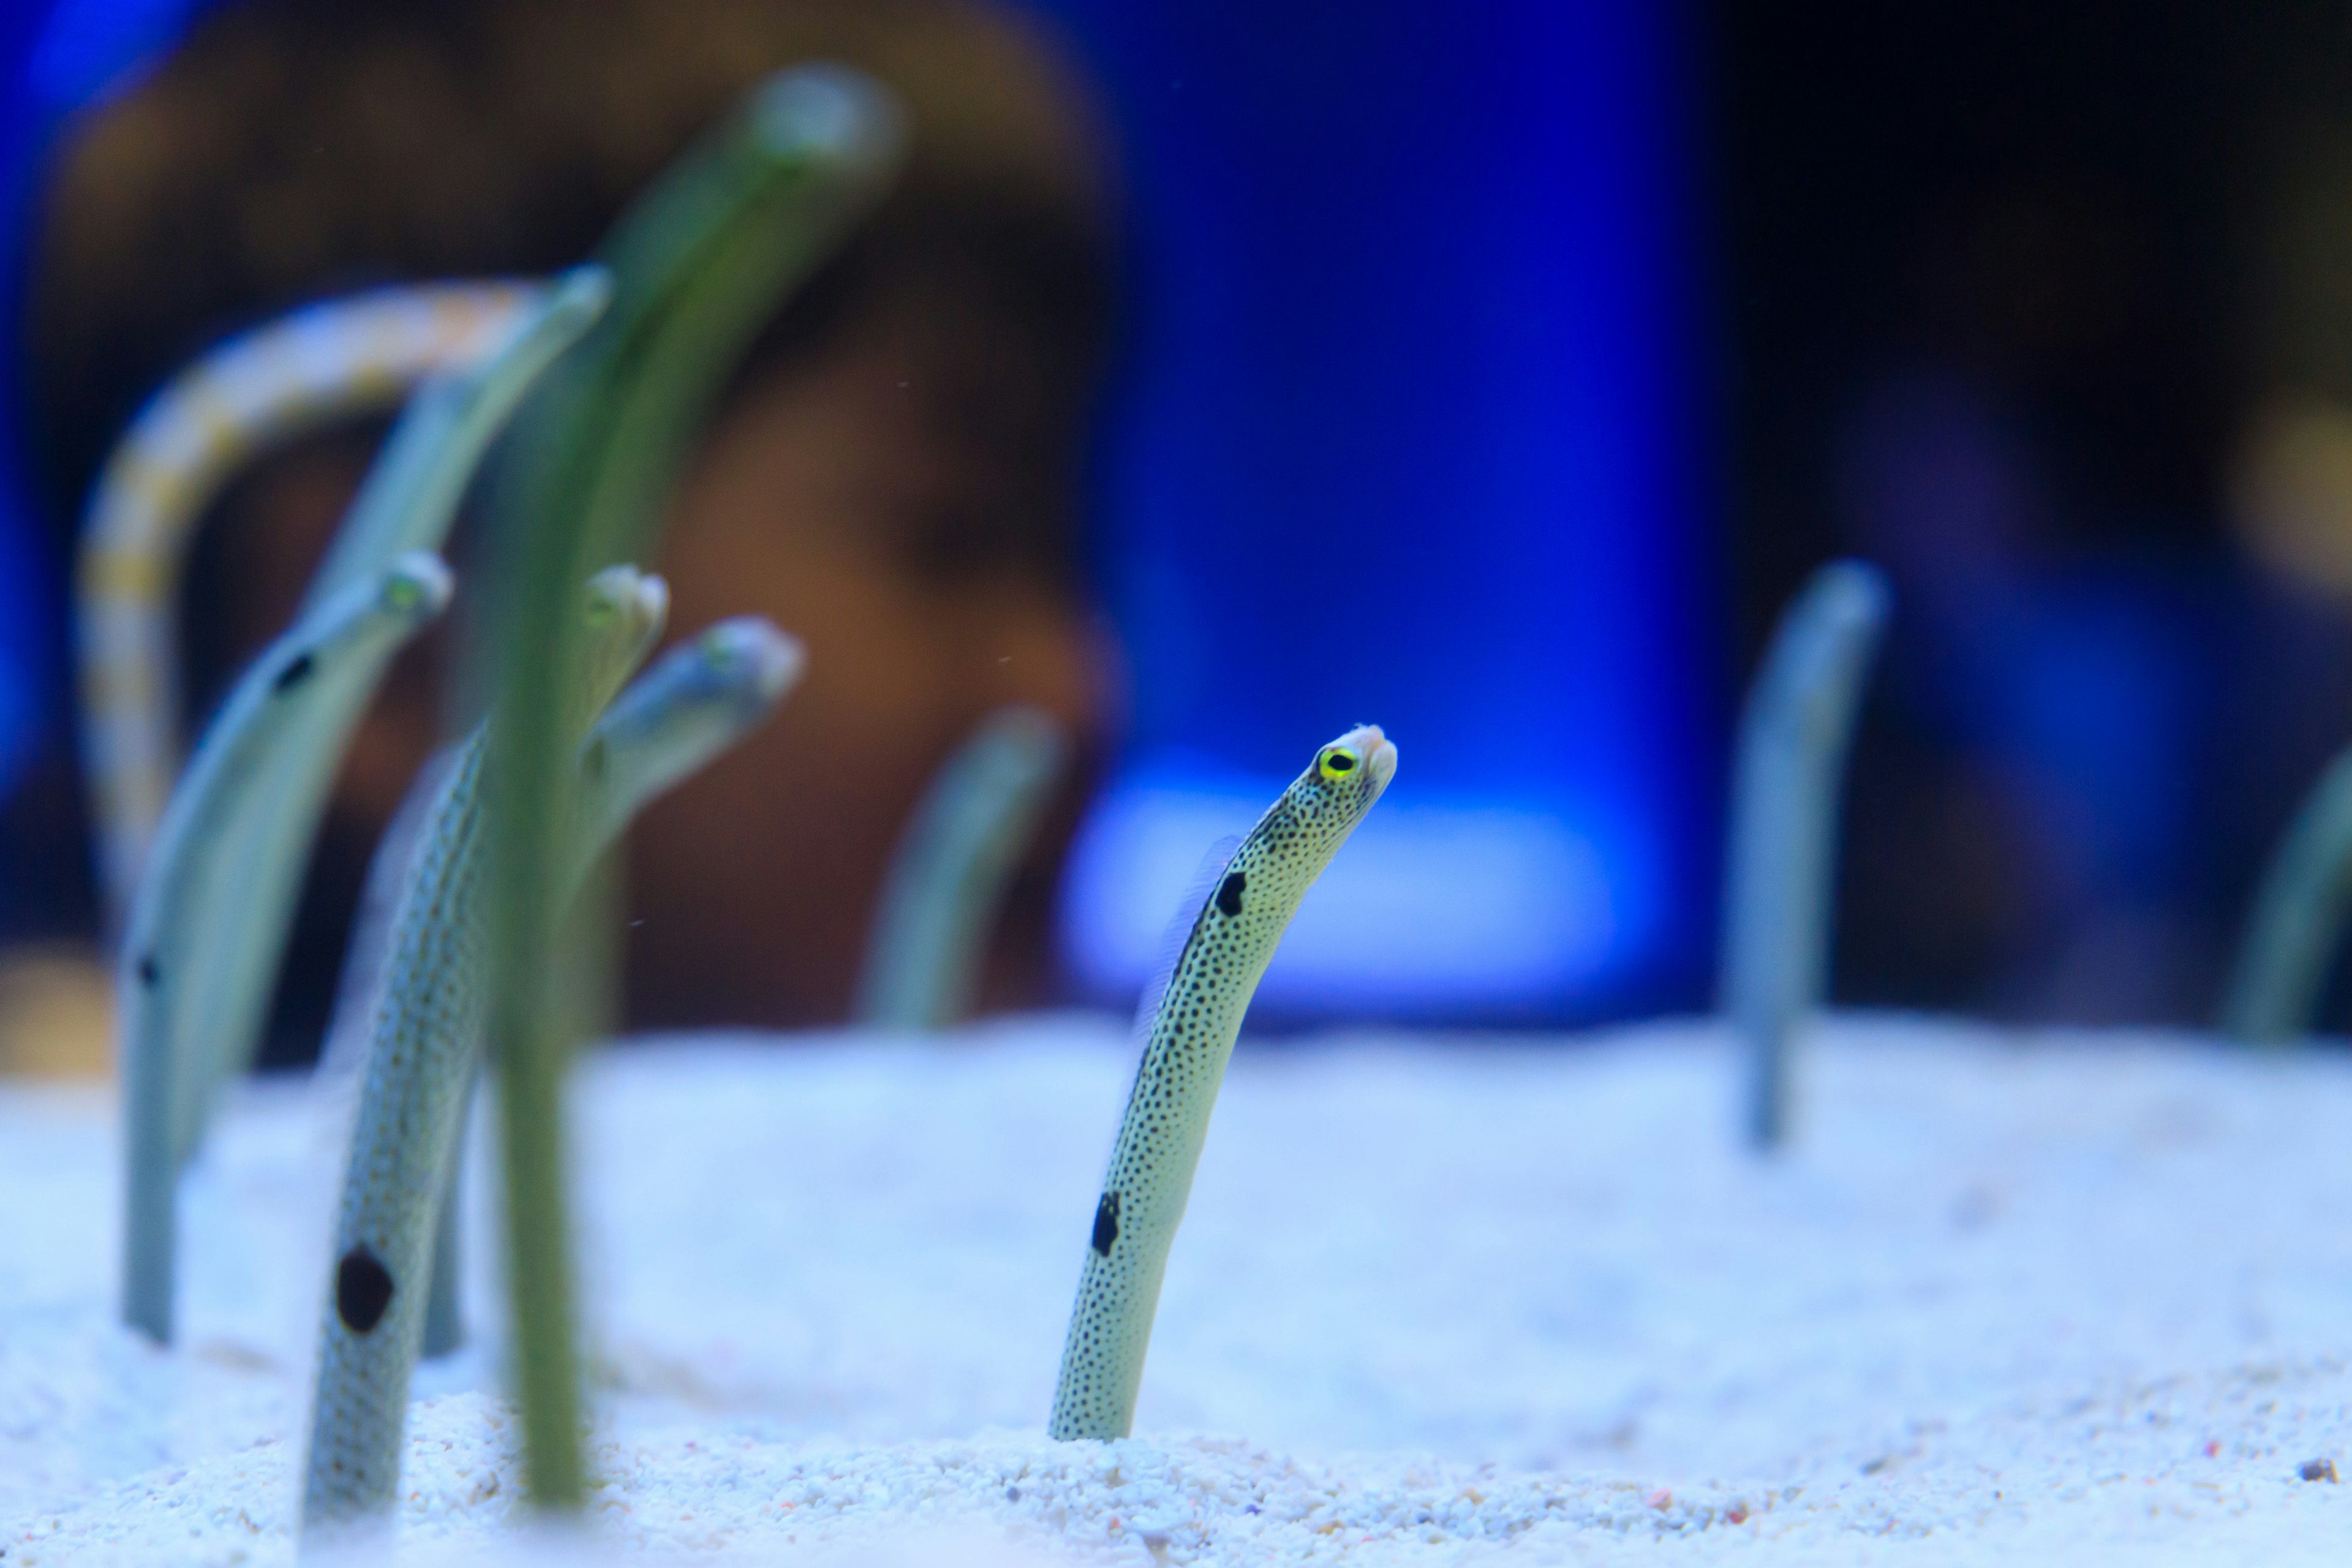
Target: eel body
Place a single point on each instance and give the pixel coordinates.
(1794, 736)
(327, 362)
(1187, 1041)
(698, 701)
(423, 1048)
(950, 873)
(408, 502)
(2298, 917)
(699, 264)
(425, 1045)
(344, 642)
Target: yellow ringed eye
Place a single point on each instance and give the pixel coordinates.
(1337, 763)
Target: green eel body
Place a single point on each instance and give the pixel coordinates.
(1782, 860)
(699, 264)
(1191, 1038)
(425, 1045)
(291, 696)
(239, 927)
(2284, 960)
(953, 862)
(413, 488)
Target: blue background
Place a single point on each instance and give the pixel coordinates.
(1409, 426)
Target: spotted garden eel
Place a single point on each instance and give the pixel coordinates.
(701, 698)
(426, 1049)
(950, 873)
(326, 362)
(1794, 738)
(1189, 1040)
(344, 643)
(239, 925)
(622, 615)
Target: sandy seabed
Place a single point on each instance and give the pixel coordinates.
(2016, 1298)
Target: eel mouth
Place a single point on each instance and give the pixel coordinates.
(1380, 755)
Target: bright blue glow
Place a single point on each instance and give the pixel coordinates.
(1407, 436)
(88, 46)
(46, 53)
(1434, 908)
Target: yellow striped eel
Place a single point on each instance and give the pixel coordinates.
(424, 1049)
(343, 644)
(1189, 1039)
(325, 362)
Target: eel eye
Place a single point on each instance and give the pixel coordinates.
(717, 650)
(1336, 764)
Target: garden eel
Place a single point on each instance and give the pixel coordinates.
(1794, 738)
(953, 862)
(700, 262)
(239, 923)
(327, 362)
(344, 643)
(425, 1045)
(696, 703)
(2298, 919)
(1187, 1042)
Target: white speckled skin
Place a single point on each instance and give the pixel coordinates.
(421, 1065)
(340, 647)
(1191, 1040)
(697, 701)
(423, 1050)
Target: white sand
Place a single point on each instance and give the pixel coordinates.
(2062, 1299)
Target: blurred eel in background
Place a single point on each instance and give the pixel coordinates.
(1782, 856)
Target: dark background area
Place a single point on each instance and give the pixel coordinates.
(2092, 224)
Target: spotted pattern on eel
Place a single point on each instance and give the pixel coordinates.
(1190, 1040)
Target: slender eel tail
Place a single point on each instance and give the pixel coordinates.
(2298, 919)
(1188, 1036)
(953, 863)
(1793, 740)
(348, 639)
